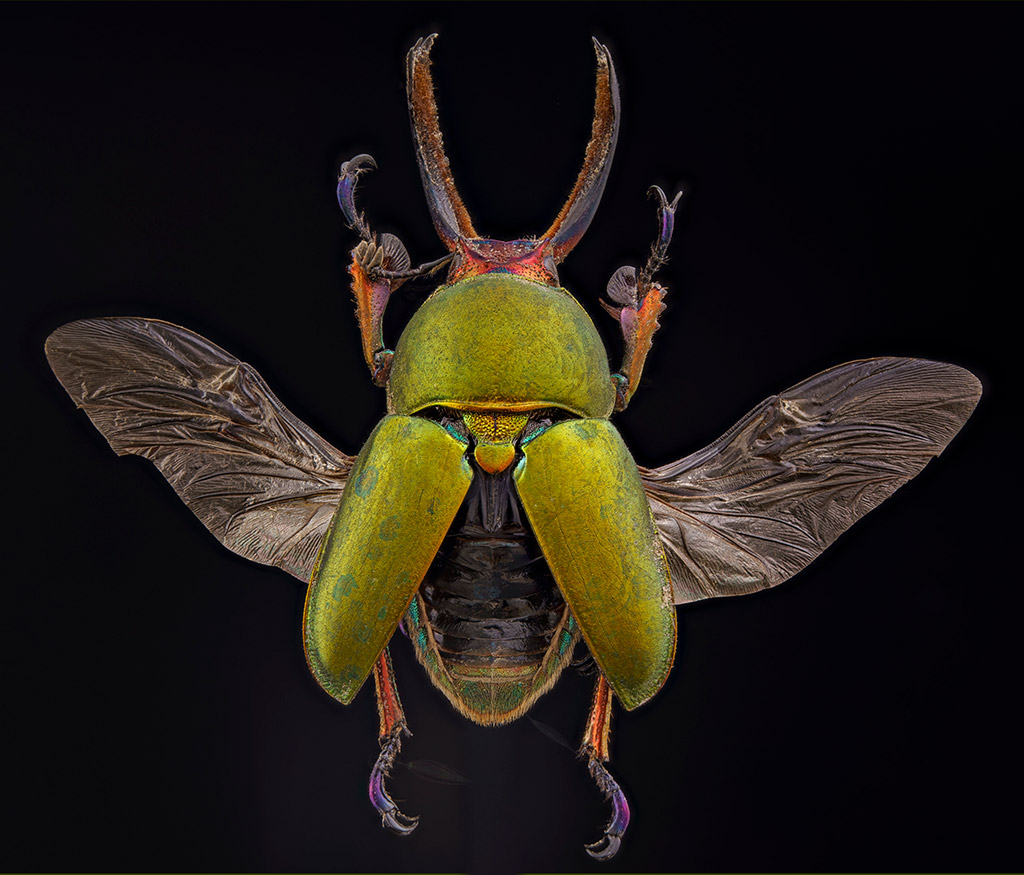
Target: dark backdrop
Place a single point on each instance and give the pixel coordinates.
(855, 190)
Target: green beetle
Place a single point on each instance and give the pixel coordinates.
(495, 514)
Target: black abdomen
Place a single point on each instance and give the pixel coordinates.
(489, 595)
(488, 622)
(491, 600)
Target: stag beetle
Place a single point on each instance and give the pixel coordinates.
(495, 514)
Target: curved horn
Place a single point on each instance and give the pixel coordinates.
(446, 208)
(574, 219)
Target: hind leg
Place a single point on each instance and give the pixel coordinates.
(392, 728)
(595, 749)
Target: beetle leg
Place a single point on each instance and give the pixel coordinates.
(595, 749)
(642, 302)
(369, 261)
(372, 292)
(666, 224)
(379, 267)
(392, 728)
(348, 180)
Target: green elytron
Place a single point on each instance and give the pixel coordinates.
(495, 513)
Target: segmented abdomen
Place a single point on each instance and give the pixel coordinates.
(489, 623)
(491, 601)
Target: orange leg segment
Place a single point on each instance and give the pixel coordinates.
(392, 728)
(595, 749)
(641, 301)
(379, 266)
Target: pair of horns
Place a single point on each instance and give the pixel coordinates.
(446, 208)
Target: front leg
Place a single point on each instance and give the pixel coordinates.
(642, 302)
(378, 268)
(372, 291)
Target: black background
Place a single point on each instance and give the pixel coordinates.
(855, 190)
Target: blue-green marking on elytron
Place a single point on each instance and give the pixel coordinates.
(389, 527)
(365, 481)
(343, 587)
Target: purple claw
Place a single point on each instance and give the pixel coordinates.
(666, 224)
(348, 179)
(608, 845)
(391, 817)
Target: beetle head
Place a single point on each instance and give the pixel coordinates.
(531, 259)
(535, 260)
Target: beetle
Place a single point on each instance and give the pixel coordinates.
(495, 515)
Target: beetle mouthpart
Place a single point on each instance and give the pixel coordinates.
(574, 218)
(449, 214)
(451, 220)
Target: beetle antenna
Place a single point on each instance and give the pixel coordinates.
(423, 270)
